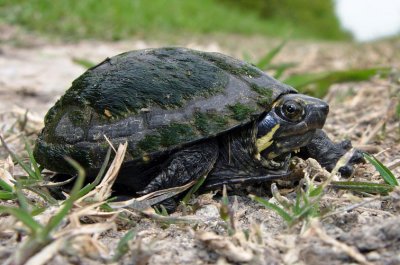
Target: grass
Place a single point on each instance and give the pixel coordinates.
(370, 187)
(318, 84)
(33, 181)
(307, 204)
(113, 20)
(123, 245)
(44, 235)
(305, 207)
(226, 213)
(317, 16)
(39, 235)
(314, 84)
(385, 173)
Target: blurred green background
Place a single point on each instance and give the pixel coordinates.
(118, 19)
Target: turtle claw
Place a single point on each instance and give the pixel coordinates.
(348, 169)
(357, 157)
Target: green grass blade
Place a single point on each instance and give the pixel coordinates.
(301, 80)
(38, 210)
(23, 202)
(22, 216)
(307, 211)
(246, 57)
(24, 166)
(38, 173)
(386, 174)
(28, 182)
(282, 213)
(280, 68)
(106, 207)
(324, 80)
(123, 245)
(68, 203)
(374, 188)
(6, 195)
(224, 205)
(74, 194)
(193, 189)
(266, 60)
(43, 194)
(317, 191)
(304, 197)
(5, 186)
(296, 208)
(83, 62)
(98, 178)
(103, 168)
(161, 210)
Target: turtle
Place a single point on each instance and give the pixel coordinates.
(185, 114)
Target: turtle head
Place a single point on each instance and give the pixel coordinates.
(288, 126)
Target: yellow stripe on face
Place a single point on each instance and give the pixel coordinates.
(146, 158)
(265, 141)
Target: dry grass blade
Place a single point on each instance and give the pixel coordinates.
(32, 117)
(85, 230)
(353, 206)
(49, 184)
(307, 203)
(150, 213)
(103, 191)
(47, 253)
(225, 246)
(91, 211)
(150, 199)
(6, 173)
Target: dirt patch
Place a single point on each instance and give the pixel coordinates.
(34, 77)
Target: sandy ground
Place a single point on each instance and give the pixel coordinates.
(35, 72)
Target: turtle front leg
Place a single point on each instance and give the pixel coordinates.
(327, 153)
(184, 166)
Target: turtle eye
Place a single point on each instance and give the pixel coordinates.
(292, 111)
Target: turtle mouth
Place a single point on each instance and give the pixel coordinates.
(278, 163)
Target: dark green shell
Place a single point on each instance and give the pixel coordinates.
(157, 100)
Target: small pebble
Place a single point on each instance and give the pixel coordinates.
(208, 212)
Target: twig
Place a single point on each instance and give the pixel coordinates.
(356, 205)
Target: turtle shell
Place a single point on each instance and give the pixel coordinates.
(157, 100)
